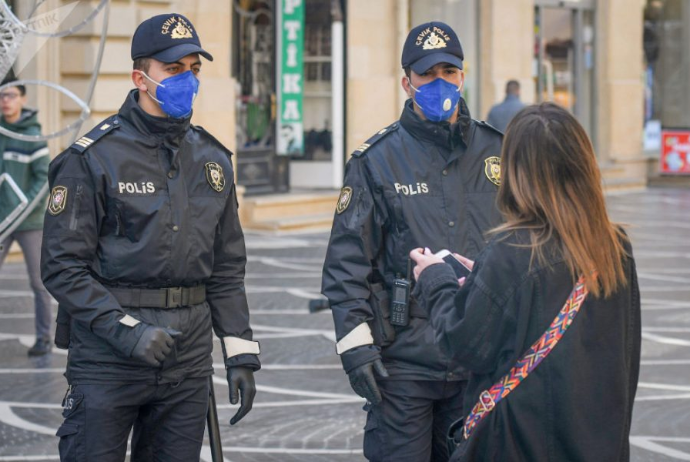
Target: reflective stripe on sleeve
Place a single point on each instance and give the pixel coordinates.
(238, 346)
(129, 321)
(359, 336)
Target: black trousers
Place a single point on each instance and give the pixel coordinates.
(411, 422)
(168, 421)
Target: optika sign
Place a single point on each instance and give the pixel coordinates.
(291, 77)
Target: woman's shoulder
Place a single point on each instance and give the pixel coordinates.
(505, 261)
(508, 259)
(508, 246)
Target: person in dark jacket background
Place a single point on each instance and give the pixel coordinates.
(430, 177)
(577, 404)
(502, 113)
(144, 249)
(26, 162)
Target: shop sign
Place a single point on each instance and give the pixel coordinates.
(675, 152)
(290, 131)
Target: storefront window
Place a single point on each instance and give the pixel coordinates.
(258, 167)
(255, 73)
(317, 85)
(666, 38)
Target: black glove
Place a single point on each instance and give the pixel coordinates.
(241, 382)
(363, 382)
(154, 345)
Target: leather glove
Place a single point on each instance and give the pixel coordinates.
(241, 382)
(363, 382)
(154, 345)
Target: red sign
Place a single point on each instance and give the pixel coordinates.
(675, 152)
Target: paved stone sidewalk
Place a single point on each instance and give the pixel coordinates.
(305, 410)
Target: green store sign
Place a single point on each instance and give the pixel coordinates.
(290, 129)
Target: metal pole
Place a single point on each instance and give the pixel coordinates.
(337, 91)
(212, 425)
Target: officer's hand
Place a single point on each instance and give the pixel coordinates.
(363, 382)
(154, 345)
(241, 382)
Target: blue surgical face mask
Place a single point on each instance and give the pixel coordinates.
(437, 99)
(176, 94)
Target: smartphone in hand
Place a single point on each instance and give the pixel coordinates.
(461, 271)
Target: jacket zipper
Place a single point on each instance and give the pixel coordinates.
(74, 221)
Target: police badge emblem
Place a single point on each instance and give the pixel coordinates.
(434, 42)
(214, 176)
(492, 169)
(177, 27)
(58, 200)
(180, 32)
(344, 199)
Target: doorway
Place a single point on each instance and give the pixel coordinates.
(564, 57)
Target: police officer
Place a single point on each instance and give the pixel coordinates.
(143, 249)
(428, 179)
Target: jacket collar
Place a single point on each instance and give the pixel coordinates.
(442, 134)
(169, 129)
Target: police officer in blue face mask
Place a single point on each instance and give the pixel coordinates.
(144, 252)
(429, 179)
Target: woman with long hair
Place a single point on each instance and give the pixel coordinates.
(548, 321)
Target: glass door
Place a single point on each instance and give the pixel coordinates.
(564, 59)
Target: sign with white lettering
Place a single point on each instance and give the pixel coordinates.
(290, 131)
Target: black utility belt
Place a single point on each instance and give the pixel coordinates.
(165, 298)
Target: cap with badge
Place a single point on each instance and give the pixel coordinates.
(167, 38)
(429, 44)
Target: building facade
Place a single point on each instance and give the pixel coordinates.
(297, 85)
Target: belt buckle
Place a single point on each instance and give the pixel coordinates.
(174, 297)
(486, 400)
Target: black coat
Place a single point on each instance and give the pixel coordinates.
(577, 404)
(414, 183)
(141, 211)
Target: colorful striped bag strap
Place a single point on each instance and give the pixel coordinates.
(488, 399)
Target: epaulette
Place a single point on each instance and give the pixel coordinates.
(96, 133)
(378, 136)
(490, 127)
(202, 130)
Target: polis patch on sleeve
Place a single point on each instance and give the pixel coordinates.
(58, 200)
(492, 169)
(214, 176)
(344, 199)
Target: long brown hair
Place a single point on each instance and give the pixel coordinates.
(551, 185)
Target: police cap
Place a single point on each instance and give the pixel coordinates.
(167, 38)
(429, 44)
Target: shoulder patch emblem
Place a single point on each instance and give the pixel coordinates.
(58, 200)
(492, 169)
(214, 176)
(344, 199)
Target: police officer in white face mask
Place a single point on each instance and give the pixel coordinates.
(429, 179)
(144, 252)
